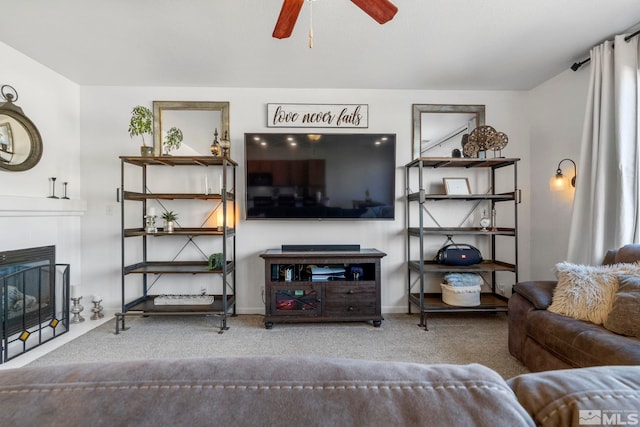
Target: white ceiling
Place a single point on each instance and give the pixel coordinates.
(430, 44)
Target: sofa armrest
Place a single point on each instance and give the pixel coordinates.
(577, 396)
(538, 292)
(628, 254)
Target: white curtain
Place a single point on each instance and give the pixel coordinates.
(606, 204)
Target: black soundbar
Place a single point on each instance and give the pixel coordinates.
(320, 248)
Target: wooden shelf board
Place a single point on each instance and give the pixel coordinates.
(462, 162)
(415, 231)
(174, 267)
(147, 305)
(484, 266)
(131, 232)
(495, 197)
(488, 302)
(177, 160)
(132, 195)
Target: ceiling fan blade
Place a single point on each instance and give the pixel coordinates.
(380, 10)
(287, 19)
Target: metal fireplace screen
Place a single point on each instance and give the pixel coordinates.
(35, 302)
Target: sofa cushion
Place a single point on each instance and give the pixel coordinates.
(586, 292)
(259, 391)
(602, 396)
(624, 317)
(579, 343)
(539, 293)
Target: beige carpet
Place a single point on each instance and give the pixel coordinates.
(452, 338)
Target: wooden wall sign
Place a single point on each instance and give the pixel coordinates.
(318, 115)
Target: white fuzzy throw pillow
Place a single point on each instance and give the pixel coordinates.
(587, 292)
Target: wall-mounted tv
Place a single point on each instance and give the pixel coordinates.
(320, 176)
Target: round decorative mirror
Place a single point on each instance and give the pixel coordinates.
(20, 141)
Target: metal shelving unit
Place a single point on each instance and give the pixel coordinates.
(144, 305)
(429, 302)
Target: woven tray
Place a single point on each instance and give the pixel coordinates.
(183, 300)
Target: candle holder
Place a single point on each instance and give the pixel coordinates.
(494, 223)
(225, 144)
(76, 309)
(97, 310)
(53, 188)
(216, 149)
(64, 187)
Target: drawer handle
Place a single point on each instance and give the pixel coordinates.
(351, 291)
(351, 308)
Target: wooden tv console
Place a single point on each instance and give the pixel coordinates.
(294, 294)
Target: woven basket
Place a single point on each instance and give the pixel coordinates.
(461, 296)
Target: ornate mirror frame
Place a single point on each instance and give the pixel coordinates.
(19, 136)
(160, 122)
(419, 111)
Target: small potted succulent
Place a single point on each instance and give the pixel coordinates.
(169, 218)
(172, 140)
(140, 124)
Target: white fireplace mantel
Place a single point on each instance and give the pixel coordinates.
(21, 206)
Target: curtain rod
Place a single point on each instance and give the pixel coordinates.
(577, 65)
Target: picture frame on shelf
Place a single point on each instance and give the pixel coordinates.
(456, 186)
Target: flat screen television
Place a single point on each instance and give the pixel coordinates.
(320, 176)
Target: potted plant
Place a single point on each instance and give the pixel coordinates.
(172, 140)
(169, 218)
(141, 124)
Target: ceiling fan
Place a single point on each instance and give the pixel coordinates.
(380, 10)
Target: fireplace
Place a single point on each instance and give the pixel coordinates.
(35, 299)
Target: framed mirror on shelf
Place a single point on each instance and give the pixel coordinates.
(20, 141)
(198, 121)
(439, 129)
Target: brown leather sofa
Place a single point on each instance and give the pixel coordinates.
(543, 340)
(308, 391)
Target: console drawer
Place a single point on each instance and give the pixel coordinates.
(346, 300)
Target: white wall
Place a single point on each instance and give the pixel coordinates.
(52, 102)
(53, 105)
(557, 114)
(84, 131)
(104, 122)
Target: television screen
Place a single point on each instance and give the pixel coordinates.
(320, 176)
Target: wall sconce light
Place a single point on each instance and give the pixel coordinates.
(558, 182)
